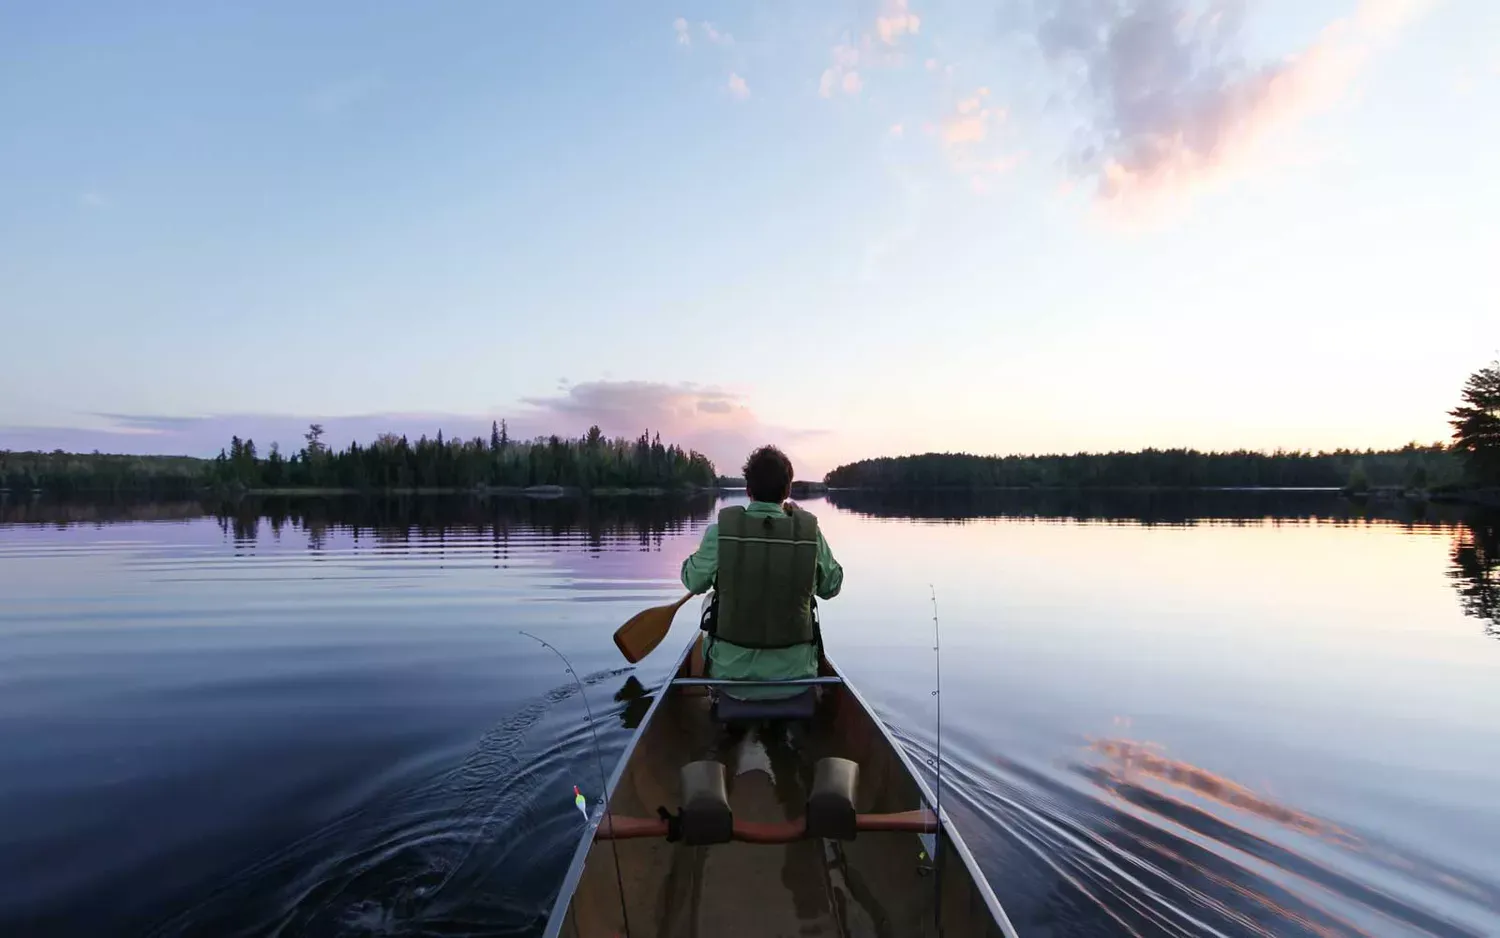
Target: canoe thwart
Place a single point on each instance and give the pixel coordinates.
(723, 682)
(830, 806)
(705, 816)
(922, 821)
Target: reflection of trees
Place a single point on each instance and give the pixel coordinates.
(28, 510)
(1143, 506)
(399, 520)
(595, 524)
(1476, 570)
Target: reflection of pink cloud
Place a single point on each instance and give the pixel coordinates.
(1172, 105)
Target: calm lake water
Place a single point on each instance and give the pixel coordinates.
(1222, 714)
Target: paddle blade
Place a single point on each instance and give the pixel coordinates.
(645, 630)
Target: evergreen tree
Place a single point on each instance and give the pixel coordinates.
(1476, 425)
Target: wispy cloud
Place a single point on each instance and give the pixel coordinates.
(893, 22)
(737, 87)
(93, 200)
(970, 121)
(715, 36)
(341, 95)
(842, 75)
(683, 30)
(968, 144)
(896, 22)
(1167, 99)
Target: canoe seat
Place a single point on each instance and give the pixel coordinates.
(801, 706)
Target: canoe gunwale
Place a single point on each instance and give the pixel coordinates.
(569, 885)
(945, 824)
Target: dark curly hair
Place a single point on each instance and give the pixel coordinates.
(768, 475)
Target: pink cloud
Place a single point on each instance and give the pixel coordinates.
(737, 87)
(715, 422)
(683, 31)
(897, 130)
(897, 22)
(1169, 101)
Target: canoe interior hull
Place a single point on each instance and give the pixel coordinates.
(881, 883)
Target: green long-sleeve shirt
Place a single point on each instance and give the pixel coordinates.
(735, 662)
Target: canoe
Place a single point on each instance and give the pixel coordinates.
(800, 817)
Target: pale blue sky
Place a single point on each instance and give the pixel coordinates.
(865, 227)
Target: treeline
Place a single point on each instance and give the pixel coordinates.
(1413, 465)
(64, 474)
(590, 462)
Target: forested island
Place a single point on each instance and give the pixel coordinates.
(1413, 465)
(590, 463)
(1468, 469)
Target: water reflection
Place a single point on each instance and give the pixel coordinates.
(396, 519)
(1476, 570)
(1218, 874)
(637, 701)
(1169, 507)
(66, 514)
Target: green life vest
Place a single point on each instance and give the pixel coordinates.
(768, 567)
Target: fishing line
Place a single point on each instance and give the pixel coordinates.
(937, 764)
(603, 779)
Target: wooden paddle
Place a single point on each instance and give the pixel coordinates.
(646, 629)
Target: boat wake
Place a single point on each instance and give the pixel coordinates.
(476, 849)
(1126, 841)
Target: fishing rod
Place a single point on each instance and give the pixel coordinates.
(603, 778)
(937, 764)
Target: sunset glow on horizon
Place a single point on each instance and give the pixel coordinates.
(852, 230)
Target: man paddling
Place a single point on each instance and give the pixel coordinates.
(765, 561)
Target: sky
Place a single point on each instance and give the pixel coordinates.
(856, 228)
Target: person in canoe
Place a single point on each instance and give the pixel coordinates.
(766, 562)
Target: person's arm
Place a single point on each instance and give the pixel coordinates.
(702, 565)
(830, 574)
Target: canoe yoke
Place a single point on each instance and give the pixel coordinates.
(705, 816)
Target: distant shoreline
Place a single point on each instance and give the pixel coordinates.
(1482, 497)
(498, 491)
(1479, 497)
